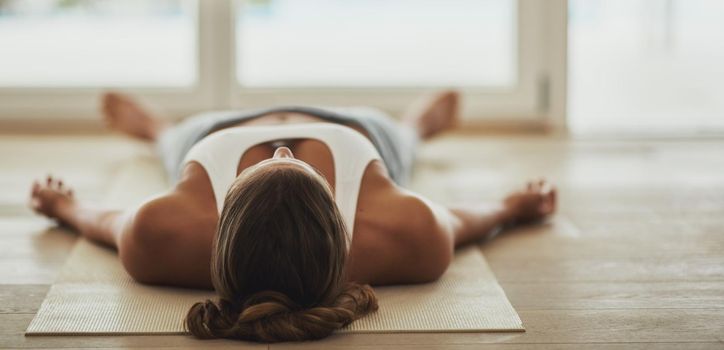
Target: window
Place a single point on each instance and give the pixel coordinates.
(646, 65)
(190, 55)
(385, 53)
(82, 43)
(361, 43)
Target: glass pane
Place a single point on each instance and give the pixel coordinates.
(377, 43)
(97, 43)
(646, 65)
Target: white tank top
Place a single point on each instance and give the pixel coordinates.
(219, 154)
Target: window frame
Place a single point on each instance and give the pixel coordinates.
(538, 98)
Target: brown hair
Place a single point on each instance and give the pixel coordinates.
(278, 263)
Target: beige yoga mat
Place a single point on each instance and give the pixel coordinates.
(94, 295)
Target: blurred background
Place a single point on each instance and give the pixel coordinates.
(588, 67)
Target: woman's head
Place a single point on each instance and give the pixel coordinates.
(279, 258)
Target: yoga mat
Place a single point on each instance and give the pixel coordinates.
(93, 295)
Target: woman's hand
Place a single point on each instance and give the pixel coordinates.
(535, 203)
(51, 198)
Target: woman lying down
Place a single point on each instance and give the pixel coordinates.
(288, 213)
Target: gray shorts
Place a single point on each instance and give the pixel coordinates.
(396, 143)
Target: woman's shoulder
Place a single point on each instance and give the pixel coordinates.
(390, 205)
(174, 210)
(189, 201)
(396, 227)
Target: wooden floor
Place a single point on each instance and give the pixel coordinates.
(634, 259)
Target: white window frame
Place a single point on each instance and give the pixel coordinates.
(538, 99)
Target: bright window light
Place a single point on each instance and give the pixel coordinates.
(86, 43)
(646, 65)
(396, 43)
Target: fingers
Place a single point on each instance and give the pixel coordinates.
(51, 183)
(46, 193)
(34, 202)
(549, 203)
(548, 194)
(546, 188)
(540, 185)
(534, 185)
(35, 188)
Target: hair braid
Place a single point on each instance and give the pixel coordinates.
(272, 317)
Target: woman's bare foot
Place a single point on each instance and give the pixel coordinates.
(535, 203)
(434, 114)
(123, 114)
(52, 199)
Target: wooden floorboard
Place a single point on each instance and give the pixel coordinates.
(694, 268)
(33, 250)
(22, 299)
(627, 346)
(606, 295)
(544, 243)
(634, 260)
(542, 327)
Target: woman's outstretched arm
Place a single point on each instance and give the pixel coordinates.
(54, 200)
(468, 224)
(163, 241)
(415, 238)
